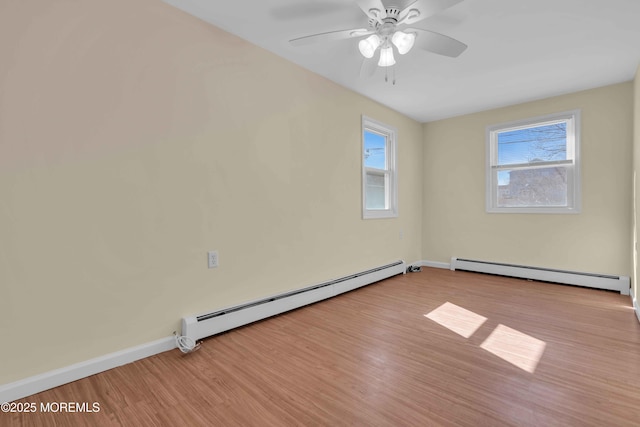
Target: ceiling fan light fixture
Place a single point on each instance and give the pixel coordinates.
(403, 41)
(386, 57)
(369, 45)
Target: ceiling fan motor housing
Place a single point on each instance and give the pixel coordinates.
(391, 17)
(393, 13)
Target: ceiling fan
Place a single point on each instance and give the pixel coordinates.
(387, 30)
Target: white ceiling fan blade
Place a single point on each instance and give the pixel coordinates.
(368, 67)
(330, 36)
(369, 7)
(425, 9)
(437, 43)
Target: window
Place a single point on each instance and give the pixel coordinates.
(533, 165)
(379, 183)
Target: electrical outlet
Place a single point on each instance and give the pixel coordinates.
(213, 259)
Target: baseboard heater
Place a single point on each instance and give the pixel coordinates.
(215, 322)
(591, 280)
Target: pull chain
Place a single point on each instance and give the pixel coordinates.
(393, 75)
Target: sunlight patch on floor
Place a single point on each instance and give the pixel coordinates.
(517, 348)
(457, 319)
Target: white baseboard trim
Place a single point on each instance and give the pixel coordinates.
(636, 308)
(434, 264)
(37, 383)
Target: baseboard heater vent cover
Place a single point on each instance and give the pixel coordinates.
(591, 280)
(208, 324)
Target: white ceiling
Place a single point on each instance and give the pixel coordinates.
(519, 50)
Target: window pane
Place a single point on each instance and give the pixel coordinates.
(533, 187)
(379, 183)
(375, 150)
(375, 192)
(535, 144)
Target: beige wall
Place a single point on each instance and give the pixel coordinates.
(636, 184)
(134, 138)
(455, 222)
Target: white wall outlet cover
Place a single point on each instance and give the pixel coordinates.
(213, 259)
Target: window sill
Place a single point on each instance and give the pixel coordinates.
(374, 214)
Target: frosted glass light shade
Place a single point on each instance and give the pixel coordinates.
(369, 45)
(386, 57)
(403, 41)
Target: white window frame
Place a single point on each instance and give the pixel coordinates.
(572, 164)
(390, 172)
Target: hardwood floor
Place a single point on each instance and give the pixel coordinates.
(411, 350)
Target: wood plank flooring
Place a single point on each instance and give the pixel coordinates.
(544, 355)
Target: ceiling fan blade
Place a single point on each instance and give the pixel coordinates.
(330, 36)
(437, 43)
(370, 6)
(368, 67)
(425, 9)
